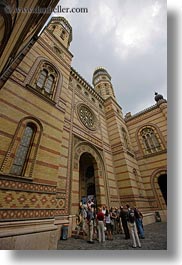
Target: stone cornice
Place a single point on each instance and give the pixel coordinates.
(151, 108)
(85, 84)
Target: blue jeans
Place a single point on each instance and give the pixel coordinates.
(140, 227)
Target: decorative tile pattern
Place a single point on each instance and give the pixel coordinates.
(21, 200)
(16, 185)
(60, 204)
(14, 214)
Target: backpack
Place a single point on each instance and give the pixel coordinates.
(137, 214)
(131, 216)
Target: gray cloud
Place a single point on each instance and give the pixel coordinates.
(128, 38)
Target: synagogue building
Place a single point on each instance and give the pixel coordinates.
(63, 141)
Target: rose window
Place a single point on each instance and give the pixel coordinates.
(87, 117)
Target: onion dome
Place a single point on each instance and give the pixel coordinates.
(158, 97)
(100, 72)
(100, 69)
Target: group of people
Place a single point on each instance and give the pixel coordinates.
(102, 223)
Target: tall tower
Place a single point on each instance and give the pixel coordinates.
(102, 83)
(61, 29)
(123, 157)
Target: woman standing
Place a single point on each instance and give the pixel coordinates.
(108, 225)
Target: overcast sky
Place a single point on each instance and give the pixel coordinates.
(129, 39)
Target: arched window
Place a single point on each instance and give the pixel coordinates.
(42, 78)
(63, 34)
(79, 87)
(23, 151)
(150, 141)
(138, 181)
(107, 91)
(21, 155)
(49, 84)
(125, 138)
(46, 80)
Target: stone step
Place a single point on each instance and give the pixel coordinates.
(74, 234)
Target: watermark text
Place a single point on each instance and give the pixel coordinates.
(48, 10)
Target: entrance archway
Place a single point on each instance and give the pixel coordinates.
(87, 167)
(162, 181)
(88, 176)
(159, 186)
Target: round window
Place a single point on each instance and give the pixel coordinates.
(87, 117)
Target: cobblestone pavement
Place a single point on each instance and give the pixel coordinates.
(155, 239)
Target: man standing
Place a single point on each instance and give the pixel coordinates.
(132, 227)
(124, 216)
(139, 224)
(100, 225)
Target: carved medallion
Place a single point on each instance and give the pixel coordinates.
(87, 117)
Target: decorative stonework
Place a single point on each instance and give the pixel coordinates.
(18, 76)
(20, 199)
(23, 200)
(9, 214)
(16, 185)
(87, 117)
(60, 204)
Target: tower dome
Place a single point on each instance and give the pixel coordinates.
(102, 82)
(100, 69)
(98, 72)
(158, 97)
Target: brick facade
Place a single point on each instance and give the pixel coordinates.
(75, 123)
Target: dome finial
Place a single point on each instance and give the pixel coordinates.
(158, 97)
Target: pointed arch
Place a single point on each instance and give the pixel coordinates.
(158, 193)
(21, 155)
(52, 82)
(99, 174)
(150, 139)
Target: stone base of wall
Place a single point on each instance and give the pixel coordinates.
(29, 235)
(149, 218)
(163, 215)
(59, 222)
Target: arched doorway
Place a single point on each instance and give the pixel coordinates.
(87, 162)
(87, 170)
(162, 181)
(159, 186)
